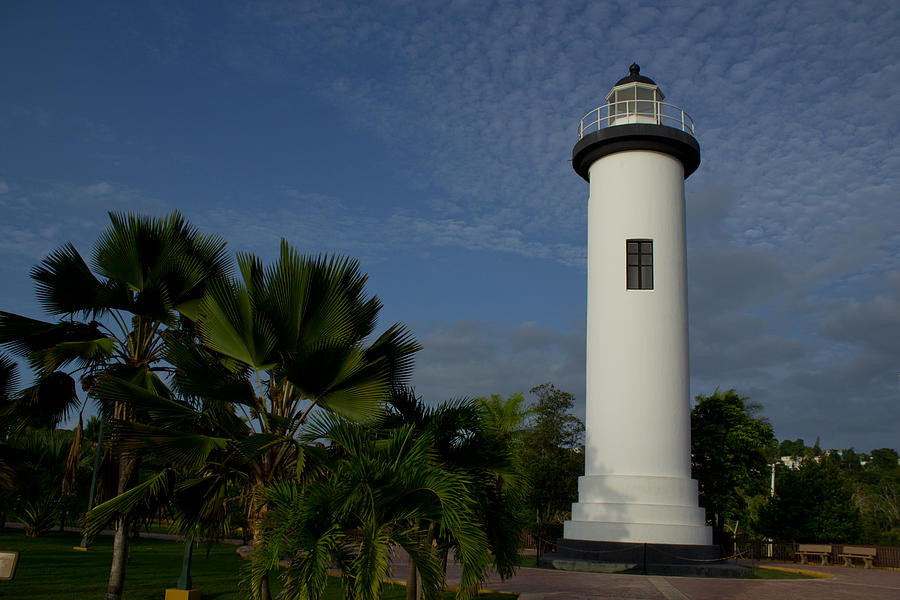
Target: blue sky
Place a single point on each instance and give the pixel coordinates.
(431, 140)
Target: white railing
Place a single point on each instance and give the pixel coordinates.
(629, 112)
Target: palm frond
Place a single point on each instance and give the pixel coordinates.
(256, 444)
(9, 380)
(341, 379)
(38, 341)
(112, 389)
(73, 460)
(182, 448)
(163, 263)
(65, 285)
(144, 496)
(49, 402)
(231, 325)
(397, 347)
(201, 374)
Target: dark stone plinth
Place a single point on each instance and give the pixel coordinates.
(640, 558)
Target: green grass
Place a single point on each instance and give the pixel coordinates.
(49, 569)
(528, 560)
(763, 573)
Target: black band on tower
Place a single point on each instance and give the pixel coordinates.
(618, 138)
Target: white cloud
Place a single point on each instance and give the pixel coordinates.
(478, 358)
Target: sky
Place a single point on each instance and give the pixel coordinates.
(432, 140)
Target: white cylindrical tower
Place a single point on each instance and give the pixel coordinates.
(636, 152)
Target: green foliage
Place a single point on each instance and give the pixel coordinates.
(146, 278)
(476, 439)
(37, 461)
(379, 487)
(506, 417)
(794, 449)
(552, 454)
(885, 459)
(812, 504)
(727, 443)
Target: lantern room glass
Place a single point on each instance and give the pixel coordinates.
(635, 103)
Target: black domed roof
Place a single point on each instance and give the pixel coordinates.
(634, 74)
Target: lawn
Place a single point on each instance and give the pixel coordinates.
(49, 569)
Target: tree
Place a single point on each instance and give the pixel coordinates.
(552, 456)
(272, 348)
(146, 278)
(471, 439)
(812, 504)
(377, 490)
(850, 460)
(8, 383)
(794, 449)
(727, 442)
(38, 495)
(506, 417)
(884, 459)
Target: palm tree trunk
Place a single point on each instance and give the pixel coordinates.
(264, 592)
(127, 469)
(119, 561)
(411, 573)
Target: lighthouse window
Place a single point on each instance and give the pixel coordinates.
(639, 264)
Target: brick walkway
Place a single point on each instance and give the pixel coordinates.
(544, 584)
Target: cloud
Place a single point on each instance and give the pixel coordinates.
(39, 219)
(477, 358)
(472, 111)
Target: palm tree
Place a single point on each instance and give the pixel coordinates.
(276, 346)
(378, 489)
(8, 380)
(467, 440)
(505, 417)
(148, 277)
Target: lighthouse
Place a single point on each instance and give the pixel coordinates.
(637, 494)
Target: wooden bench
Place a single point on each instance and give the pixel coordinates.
(864, 552)
(823, 551)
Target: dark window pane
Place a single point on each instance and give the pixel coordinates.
(646, 247)
(632, 259)
(632, 278)
(632, 247)
(646, 259)
(646, 278)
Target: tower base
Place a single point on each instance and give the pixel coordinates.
(687, 560)
(638, 509)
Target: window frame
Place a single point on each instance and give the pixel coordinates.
(643, 264)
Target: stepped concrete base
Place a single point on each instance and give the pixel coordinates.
(642, 509)
(640, 558)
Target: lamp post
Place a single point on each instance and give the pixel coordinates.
(98, 453)
(772, 490)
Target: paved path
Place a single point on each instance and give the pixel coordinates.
(544, 584)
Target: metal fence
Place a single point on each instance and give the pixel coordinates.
(885, 556)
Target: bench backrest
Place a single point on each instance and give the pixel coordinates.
(860, 550)
(814, 547)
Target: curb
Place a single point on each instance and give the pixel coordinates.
(815, 574)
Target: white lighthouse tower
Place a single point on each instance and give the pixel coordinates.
(636, 151)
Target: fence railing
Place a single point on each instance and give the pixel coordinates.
(885, 556)
(628, 112)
